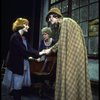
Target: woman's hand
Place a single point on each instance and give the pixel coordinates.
(31, 58)
(42, 52)
(38, 59)
(47, 51)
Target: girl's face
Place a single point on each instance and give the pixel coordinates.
(26, 27)
(45, 36)
(52, 19)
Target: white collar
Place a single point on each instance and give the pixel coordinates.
(48, 43)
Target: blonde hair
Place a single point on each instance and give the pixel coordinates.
(18, 24)
(46, 30)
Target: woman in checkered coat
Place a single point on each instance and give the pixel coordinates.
(72, 80)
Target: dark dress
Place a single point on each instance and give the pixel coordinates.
(17, 54)
(16, 81)
(43, 46)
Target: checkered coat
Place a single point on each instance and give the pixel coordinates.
(72, 81)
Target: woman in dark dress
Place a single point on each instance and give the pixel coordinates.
(46, 42)
(17, 73)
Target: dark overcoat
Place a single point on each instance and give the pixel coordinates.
(17, 53)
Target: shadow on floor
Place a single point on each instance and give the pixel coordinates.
(36, 94)
(29, 94)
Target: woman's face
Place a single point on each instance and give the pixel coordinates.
(52, 19)
(45, 36)
(26, 27)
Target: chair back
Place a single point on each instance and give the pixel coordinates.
(45, 66)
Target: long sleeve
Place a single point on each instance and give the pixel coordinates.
(21, 49)
(55, 47)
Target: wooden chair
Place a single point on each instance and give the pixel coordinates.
(43, 71)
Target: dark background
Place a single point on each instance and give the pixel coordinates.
(12, 9)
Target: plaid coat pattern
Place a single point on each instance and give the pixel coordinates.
(72, 79)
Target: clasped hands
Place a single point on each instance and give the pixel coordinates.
(45, 52)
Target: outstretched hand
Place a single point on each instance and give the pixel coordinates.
(45, 51)
(42, 52)
(38, 59)
(31, 58)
